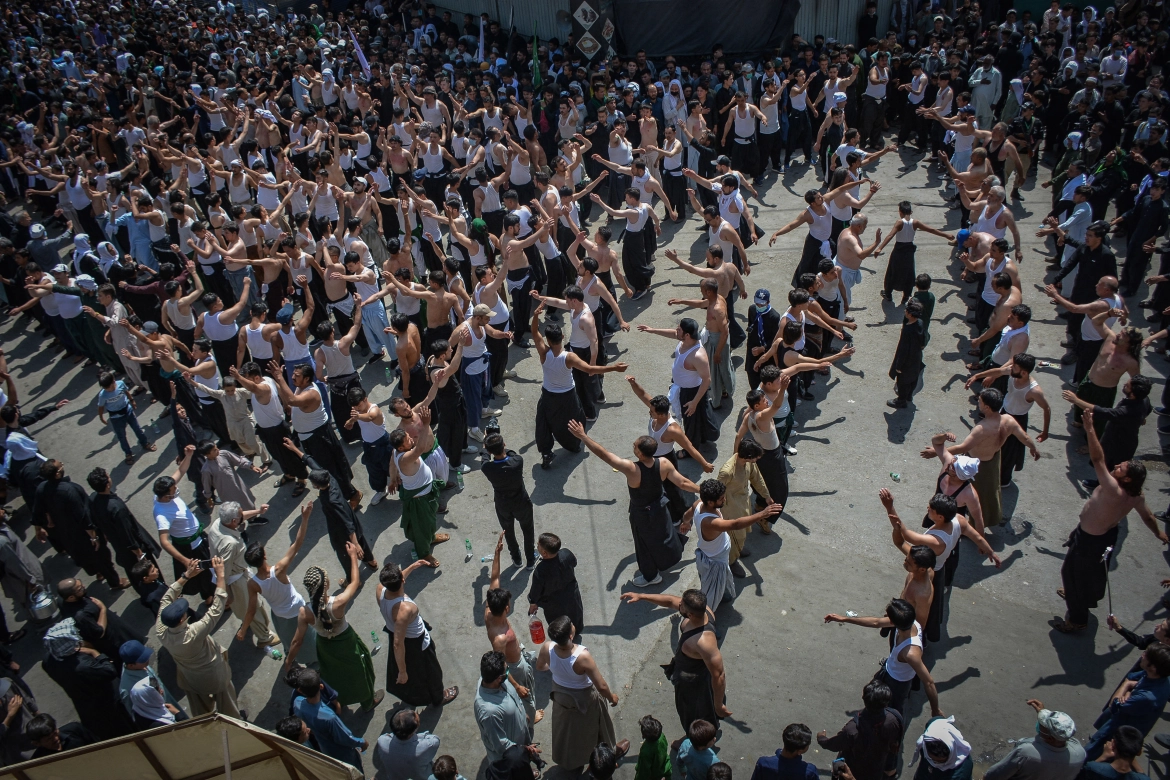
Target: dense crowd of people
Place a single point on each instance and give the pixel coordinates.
(233, 216)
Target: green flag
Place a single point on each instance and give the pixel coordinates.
(537, 81)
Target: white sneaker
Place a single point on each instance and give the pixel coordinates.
(476, 434)
(640, 582)
(510, 374)
(463, 468)
(377, 498)
(489, 413)
(500, 391)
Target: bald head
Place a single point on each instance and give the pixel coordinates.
(69, 588)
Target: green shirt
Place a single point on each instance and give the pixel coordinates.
(653, 760)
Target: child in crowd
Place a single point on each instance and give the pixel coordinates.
(696, 754)
(654, 755)
(787, 763)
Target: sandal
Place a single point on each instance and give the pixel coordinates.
(974, 352)
(129, 459)
(440, 538)
(450, 694)
(284, 480)
(1060, 592)
(1065, 627)
(300, 490)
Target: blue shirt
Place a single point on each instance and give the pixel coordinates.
(778, 767)
(332, 735)
(1143, 707)
(693, 762)
(116, 400)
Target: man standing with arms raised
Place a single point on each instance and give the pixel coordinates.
(700, 682)
(559, 406)
(690, 375)
(984, 442)
(497, 609)
(657, 543)
(1084, 573)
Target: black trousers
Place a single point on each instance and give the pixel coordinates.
(799, 134)
(588, 386)
(273, 439)
(906, 383)
(511, 510)
(553, 412)
(216, 419)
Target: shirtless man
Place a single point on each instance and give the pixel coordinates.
(1084, 572)
(410, 419)
(984, 442)
(918, 589)
(496, 609)
(851, 253)
(413, 381)
(518, 274)
(1006, 317)
(339, 301)
(442, 306)
(1120, 354)
(715, 332)
(700, 679)
(942, 537)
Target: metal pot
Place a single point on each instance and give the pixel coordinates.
(42, 605)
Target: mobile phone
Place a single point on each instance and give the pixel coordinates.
(205, 565)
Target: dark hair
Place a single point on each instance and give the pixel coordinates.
(549, 543)
(1127, 742)
(99, 480)
(493, 666)
(701, 733)
(444, 768)
(162, 486)
(694, 603)
(1158, 656)
(796, 736)
(498, 600)
(993, 398)
(792, 331)
(1022, 311)
(404, 723)
(1024, 361)
(923, 556)
(391, 576)
(1140, 386)
(914, 308)
(711, 490)
(560, 630)
(749, 449)
(494, 443)
(603, 761)
(289, 728)
(1135, 477)
(647, 445)
(944, 505)
(553, 334)
(901, 614)
(719, 771)
(876, 697)
(922, 281)
(308, 682)
(40, 727)
(650, 726)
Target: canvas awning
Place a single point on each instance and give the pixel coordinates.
(202, 748)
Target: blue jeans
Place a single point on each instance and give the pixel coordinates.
(120, 423)
(477, 391)
(374, 323)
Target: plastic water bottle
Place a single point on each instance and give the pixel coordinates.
(377, 643)
(536, 630)
(485, 559)
(459, 478)
(413, 555)
(895, 476)
(389, 380)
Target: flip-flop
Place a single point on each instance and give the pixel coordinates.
(440, 538)
(450, 694)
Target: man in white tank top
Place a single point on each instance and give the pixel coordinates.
(311, 423)
(271, 426)
(336, 367)
(369, 420)
(270, 590)
(713, 540)
(559, 404)
(417, 490)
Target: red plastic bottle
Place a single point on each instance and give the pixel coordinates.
(536, 630)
